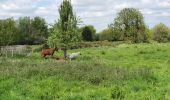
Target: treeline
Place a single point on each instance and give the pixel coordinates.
(129, 25)
(160, 33)
(25, 30)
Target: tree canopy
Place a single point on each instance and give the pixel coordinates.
(8, 31)
(161, 33)
(130, 24)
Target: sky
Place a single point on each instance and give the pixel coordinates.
(99, 13)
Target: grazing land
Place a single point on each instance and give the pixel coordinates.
(125, 71)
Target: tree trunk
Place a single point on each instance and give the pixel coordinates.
(65, 53)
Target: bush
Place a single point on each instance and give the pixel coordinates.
(161, 33)
(95, 44)
(110, 35)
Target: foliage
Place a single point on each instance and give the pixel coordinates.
(23, 31)
(24, 26)
(32, 31)
(130, 25)
(110, 35)
(88, 33)
(65, 32)
(8, 32)
(40, 30)
(161, 33)
(149, 33)
(96, 44)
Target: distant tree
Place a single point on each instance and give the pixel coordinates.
(130, 24)
(106, 34)
(97, 35)
(65, 33)
(8, 32)
(25, 30)
(39, 30)
(88, 33)
(32, 31)
(149, 33)
(161, 33)
(110, 35)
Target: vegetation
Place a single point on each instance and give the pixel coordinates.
(109, 34)
(23, 31)
(127, 71)
(66, 32)
(106, 70)
(32, 31)
(161, 33)
(130, 24)
(8, 32)
(88, 33)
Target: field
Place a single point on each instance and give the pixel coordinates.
(125, 71)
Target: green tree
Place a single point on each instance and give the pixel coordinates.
(32, 31)
(39, 30)
(65, 32)
(161, 33)
(8, 32)
(88, 33)
(106, 34)
(25, 30)
(130, 24)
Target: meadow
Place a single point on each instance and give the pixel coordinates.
(121, 72)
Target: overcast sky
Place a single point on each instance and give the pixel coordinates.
(99, 13)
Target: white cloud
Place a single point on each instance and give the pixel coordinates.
(164, 4)
(121, 6)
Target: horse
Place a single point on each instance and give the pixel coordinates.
(49, 52)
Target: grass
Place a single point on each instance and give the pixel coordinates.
(126, 71)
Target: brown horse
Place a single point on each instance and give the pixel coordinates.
(49, 52)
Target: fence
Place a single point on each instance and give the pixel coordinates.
(11, 51)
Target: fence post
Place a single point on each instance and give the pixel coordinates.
(19, 52)
(12, 53)
(6, 53)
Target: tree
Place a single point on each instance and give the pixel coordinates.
(25, 30)
(39, 30)
(8, 32)
(130, 24)
(161, 33)
(65, 32)
(32, 31)
(88, 33)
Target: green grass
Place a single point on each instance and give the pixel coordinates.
(126, 71)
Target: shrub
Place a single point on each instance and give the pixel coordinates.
(95, 44)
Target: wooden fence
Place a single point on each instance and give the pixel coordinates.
(12, 51)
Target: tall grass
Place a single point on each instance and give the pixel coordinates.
(124, 72)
